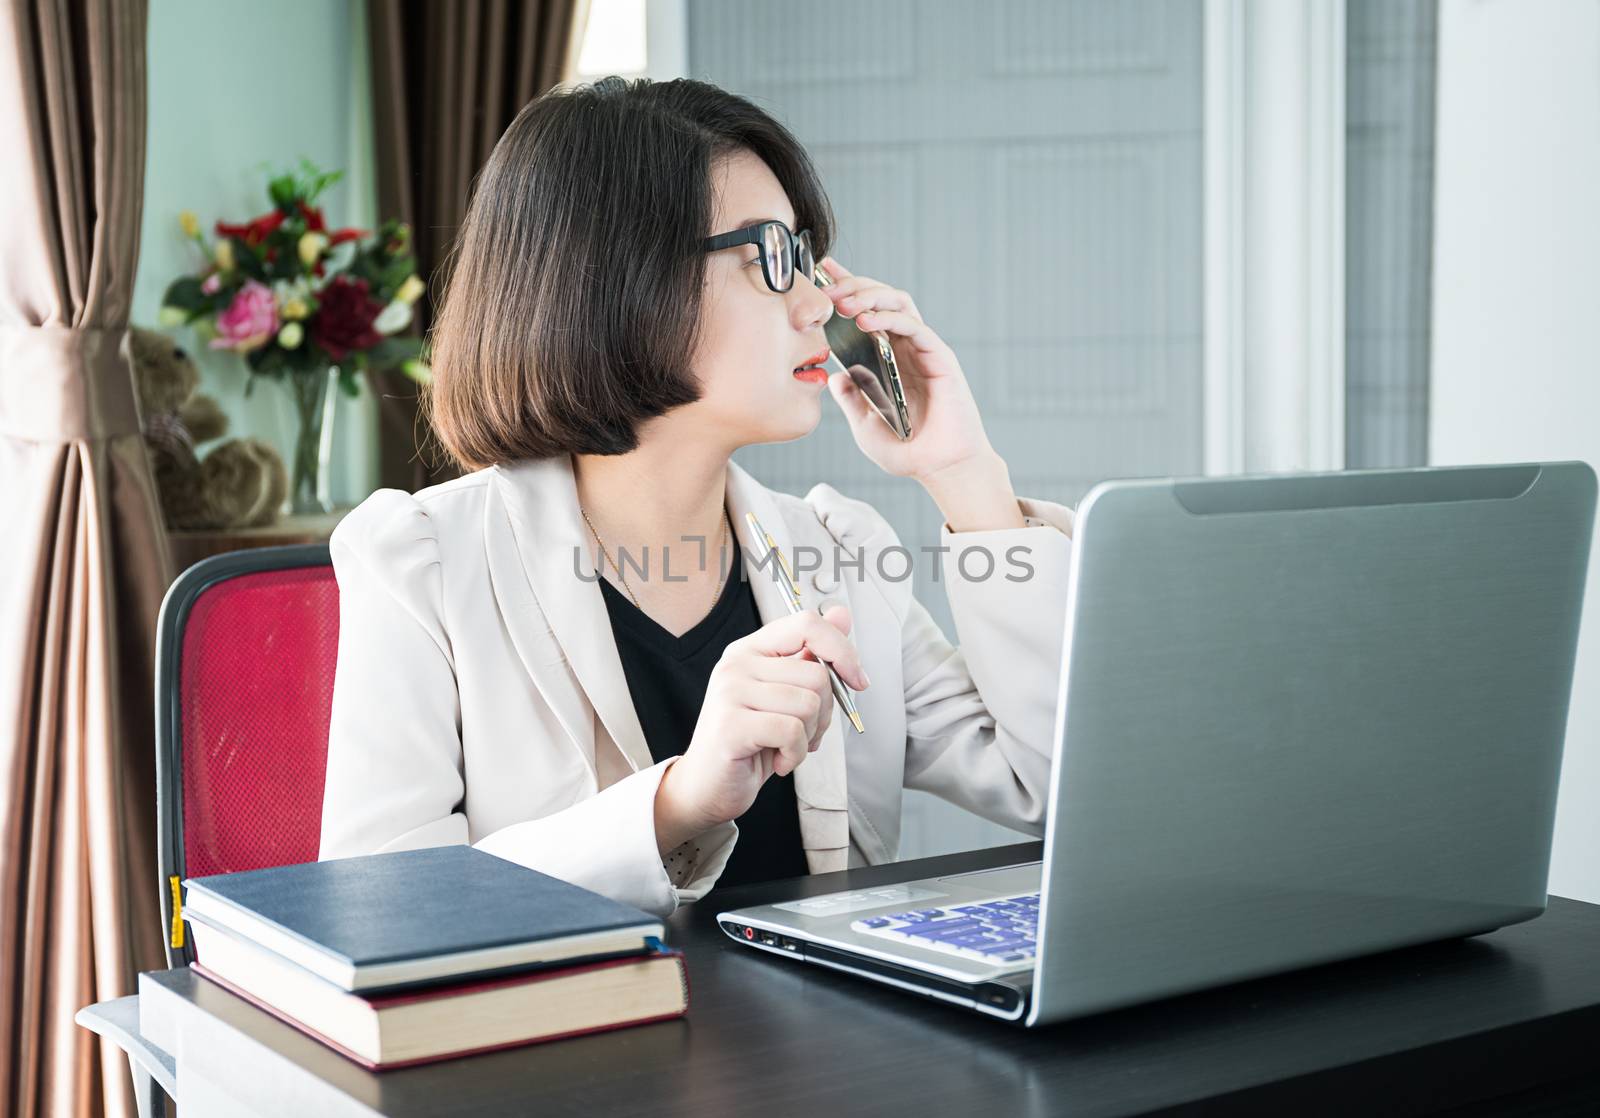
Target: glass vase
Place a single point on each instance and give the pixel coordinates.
(315, 397)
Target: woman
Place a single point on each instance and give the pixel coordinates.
(597, 359)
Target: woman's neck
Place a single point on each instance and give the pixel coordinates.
(654, 497)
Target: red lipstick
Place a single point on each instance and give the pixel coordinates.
(815, 360)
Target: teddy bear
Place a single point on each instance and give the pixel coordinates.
(240, 484)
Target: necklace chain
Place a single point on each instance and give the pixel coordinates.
(715, 586)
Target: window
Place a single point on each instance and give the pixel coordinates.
(614, 40)
(1388, 230)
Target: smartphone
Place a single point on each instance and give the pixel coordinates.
(869, 359)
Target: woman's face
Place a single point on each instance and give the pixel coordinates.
(752, 338)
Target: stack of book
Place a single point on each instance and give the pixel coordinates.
(421, 955)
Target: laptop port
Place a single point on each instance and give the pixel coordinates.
(999, 995)
(788, 944)
(769, 939)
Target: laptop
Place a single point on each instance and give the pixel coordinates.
(1301, 717)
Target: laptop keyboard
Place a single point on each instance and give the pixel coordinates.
(1004, 930)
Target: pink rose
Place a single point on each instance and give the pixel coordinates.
(211, 284)
(250, 321)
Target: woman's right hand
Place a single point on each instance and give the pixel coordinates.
(767, 705)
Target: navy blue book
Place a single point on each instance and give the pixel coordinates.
(388, 921)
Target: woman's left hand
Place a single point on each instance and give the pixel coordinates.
(946, 429)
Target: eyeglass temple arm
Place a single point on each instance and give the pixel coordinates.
(749, 236)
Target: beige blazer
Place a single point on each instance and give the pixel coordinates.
(480, 699)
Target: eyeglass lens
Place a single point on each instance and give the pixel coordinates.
(780, 251)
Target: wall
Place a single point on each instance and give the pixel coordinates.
(1516, 336)
(237, 91)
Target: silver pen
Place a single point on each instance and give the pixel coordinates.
(792, 600)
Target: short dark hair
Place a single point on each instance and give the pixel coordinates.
(573, 300)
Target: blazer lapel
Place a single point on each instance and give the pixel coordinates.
(540, 501)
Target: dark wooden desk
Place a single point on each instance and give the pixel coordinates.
(1503, 1023)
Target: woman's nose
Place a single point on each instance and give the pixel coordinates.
(814, 306)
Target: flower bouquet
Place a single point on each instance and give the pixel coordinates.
(305, 305)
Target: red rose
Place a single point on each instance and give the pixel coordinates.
(316, 223)
(255, 231)
(344, 317)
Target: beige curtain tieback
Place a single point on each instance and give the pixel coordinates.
(58, 384)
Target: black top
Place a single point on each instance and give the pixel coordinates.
(667, 678)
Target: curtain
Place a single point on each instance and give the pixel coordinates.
(447, 81)
(83, 563)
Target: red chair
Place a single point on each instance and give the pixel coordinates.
(245, 655)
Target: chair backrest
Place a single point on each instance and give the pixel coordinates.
(245, 655)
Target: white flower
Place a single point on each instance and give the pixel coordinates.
(286, 289)
(291, 335)
(294, 298)
(395, 317)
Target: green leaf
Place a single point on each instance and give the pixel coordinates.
(246, 260)
(314, 180)
(282, 192)
(396, 272)
(286, 265)
(185, 293)
(417, 371)
(383, 272)
(398, 232)
(393, 351)
(265, 360)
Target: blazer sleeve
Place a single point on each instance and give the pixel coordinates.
(395, 777)
(980, 718)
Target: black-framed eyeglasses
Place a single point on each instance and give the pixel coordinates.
(782, 253)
